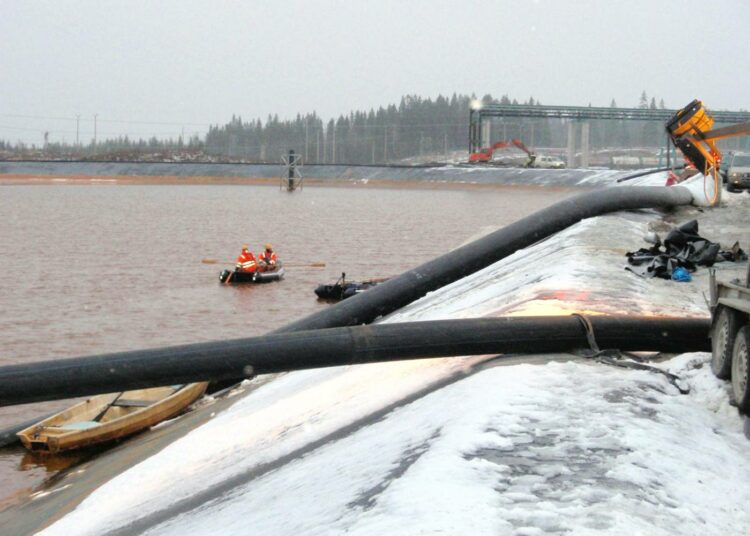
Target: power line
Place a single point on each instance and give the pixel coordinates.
(8, 127)
(104, 120)
(191, 124)
(23, 116)
(100, 133)
(167, 123)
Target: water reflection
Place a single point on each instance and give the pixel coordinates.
(52, 463)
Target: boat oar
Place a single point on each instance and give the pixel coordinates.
(106, 407)
(308, 265)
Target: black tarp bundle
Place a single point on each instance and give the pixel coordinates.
(683, 247)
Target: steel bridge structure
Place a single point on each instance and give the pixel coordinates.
(482, 115)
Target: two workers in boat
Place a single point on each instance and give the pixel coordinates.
(266, 262)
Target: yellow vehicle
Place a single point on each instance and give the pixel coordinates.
(691, 130)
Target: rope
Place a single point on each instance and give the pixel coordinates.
(589, 329)
(717, 185)
(617, 358)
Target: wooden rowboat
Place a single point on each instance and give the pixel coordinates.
(108, 417)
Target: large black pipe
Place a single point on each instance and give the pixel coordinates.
(8, 435)
(221, 360)
(410, 286)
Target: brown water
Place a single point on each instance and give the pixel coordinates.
(95, 268)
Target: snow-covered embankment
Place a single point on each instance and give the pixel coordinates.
(521, 448)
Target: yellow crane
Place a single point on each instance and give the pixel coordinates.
(691, 130)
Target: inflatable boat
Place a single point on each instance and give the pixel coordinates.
(231, 277)
(342, 289)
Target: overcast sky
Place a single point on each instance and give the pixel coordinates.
(161, 67)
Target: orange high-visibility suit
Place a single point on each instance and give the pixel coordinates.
(246, 261)
(268, 257)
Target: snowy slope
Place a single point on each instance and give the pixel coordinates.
(450, 446)
(524, 449)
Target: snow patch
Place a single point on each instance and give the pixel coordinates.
(563, 447)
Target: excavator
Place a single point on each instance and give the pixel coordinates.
(484, 156)
(691, 130)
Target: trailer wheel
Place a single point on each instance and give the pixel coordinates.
(723, 333)
(740, 369)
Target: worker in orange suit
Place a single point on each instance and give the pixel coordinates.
(246, 261)
(268, 259)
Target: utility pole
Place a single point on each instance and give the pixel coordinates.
(95, 116)
(325, 146)
(78, 122)
(333, 151)
(385, 143)
(306, 138)
(317, 148)
(373, 151)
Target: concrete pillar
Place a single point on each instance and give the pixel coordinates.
(531, 138)
(486, 141)
(475, 142)
(585, 129)
(571, 144)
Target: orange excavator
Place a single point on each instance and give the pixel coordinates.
(691, 130)
(484, 156)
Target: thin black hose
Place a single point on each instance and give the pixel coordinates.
(647, 172)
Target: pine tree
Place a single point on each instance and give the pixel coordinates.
(643, 103)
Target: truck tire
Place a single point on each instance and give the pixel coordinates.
(741, 368)
(723, 333)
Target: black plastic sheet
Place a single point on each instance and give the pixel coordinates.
(683, 247)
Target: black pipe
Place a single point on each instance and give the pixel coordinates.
(8, 435)
(68, 378)
(410, 286)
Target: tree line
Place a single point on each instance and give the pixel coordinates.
(417, 128)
